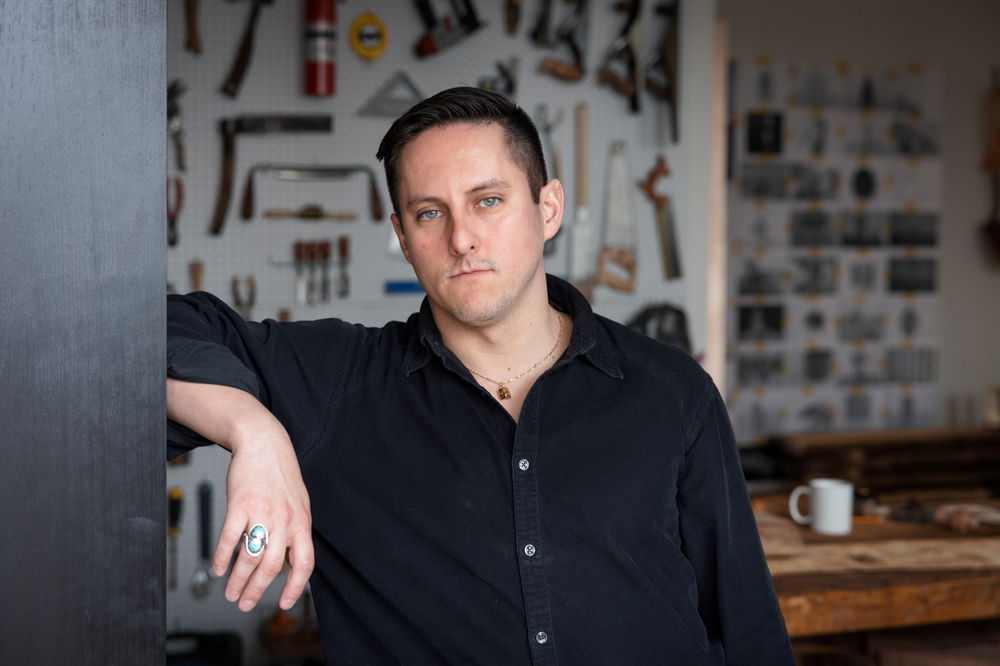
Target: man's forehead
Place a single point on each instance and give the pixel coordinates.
(481, 150)
(458, 131)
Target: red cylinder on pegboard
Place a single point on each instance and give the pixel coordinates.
(320, 47)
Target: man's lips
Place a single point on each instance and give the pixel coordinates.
(470, 272)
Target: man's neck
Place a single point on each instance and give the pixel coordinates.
(509, 345)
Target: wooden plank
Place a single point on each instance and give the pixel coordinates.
(898, 555)
(834, 610)
(806, 442)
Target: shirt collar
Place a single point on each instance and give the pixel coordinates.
(589, 340)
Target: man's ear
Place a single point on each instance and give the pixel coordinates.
(397, 226)
(550, 198)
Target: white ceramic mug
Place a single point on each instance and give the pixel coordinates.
(831, 505)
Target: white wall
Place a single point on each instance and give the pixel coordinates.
(263, 247)
(963, 39)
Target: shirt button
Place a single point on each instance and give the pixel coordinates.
(529, 550)
(541, 638)
(523, 464)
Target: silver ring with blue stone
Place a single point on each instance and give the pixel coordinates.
(255, 540)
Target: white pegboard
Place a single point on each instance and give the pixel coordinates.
(273, 84)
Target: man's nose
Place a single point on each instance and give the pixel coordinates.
(464, 236)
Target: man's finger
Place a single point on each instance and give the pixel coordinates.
(229, 537)
(269, 565)
(301, 557)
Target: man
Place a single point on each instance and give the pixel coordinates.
(505, 478)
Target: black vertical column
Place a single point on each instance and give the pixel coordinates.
(82, 154)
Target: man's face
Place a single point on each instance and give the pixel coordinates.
(469, 226)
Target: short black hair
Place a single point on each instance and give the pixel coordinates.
(466, 105)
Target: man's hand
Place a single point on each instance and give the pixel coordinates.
(264, 486)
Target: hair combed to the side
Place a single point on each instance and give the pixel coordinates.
(466, 105)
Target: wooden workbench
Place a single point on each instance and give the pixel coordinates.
(881, 576)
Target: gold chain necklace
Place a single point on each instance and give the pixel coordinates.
(503, 392)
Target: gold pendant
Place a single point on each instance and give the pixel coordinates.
(503, 392)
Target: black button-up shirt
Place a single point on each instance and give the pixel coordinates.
(609, 525)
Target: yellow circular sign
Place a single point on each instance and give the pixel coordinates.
(368, 36)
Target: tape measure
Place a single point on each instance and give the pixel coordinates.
(368, 36)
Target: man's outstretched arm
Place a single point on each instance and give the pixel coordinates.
(264, 485)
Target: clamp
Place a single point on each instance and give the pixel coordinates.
(623, 50)
(448, 31)
(661, 71)
(572, 32)
(505, 81)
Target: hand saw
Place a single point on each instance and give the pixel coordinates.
(665, 222)
(616, 263)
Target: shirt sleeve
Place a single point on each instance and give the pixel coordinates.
(719, 536)
(292, 368)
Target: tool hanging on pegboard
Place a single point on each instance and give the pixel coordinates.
(573, 33)
(311, 260)
(661, 69)
(665, 223)
(582, 259)
(201, 581)
(241, 62)
(505, 81)
(664, 322)
(175, 504)
(512, 16)
(321, 48)
(616, 266)
(175, 123)
(447, 30)
(230, 128)
(244, 295)
(623, 54)
(368, 36)
(393, 98)
(310, 213)
(311, 172)
(545, 124)
(343, 257)
(196, 271)
(192, 38)
(175, 202)
(541, 34)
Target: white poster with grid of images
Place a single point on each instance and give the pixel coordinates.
(834, 224)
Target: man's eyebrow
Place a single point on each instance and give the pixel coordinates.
(491, 184)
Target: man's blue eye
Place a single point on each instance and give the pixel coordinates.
(490, 202)
(428, 215)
